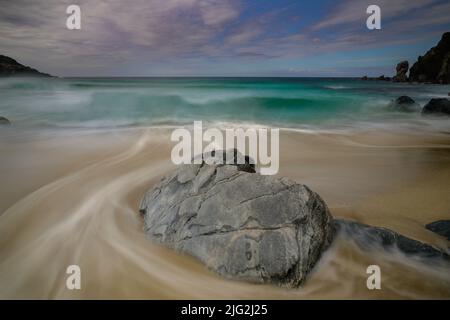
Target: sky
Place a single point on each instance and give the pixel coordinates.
(288, 38)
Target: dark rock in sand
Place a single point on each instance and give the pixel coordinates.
(441, 227)
(10, 67)
(369, 238)
(402, 69)
(404, 104)
(437, 106)
(241, 225)
(244, 163)
(434, 66)
(4, 121)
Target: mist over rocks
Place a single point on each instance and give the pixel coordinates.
(242, 225)
(404, 104)
(437, 106)
(377, 238)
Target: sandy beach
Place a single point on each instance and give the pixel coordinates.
(72, 196)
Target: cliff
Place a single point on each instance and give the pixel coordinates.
(434, 66)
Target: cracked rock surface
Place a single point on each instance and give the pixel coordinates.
(242, 225)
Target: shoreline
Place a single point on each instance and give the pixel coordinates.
(82, 205)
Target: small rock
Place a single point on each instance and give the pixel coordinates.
(383, 78)
(4, 121)
(441, 227)
(437, 106)
(405, 104)
(244, 164)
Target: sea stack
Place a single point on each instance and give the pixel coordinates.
(402, 69)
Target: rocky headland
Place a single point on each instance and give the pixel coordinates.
(10, 67)
(432, 67)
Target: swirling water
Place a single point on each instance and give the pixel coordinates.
(81, 152)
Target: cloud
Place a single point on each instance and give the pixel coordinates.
(217, 12)
(244, 35)
(170, 36)
(111, 30)
(354, 11)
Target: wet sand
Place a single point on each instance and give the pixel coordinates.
(72, 198)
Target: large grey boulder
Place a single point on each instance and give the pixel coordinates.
(242, 225)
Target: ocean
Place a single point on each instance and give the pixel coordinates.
(297, 103)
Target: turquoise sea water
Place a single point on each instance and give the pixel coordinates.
(302, 103)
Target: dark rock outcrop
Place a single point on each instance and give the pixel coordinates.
(10, 67)
(376, 238)
(434, 66)
(404, 104)
(380, 78)
(441, 227)
(402, 69)
(242, 225)
(243, 164)
(437, 106)
(4, 121)
(383, 78)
